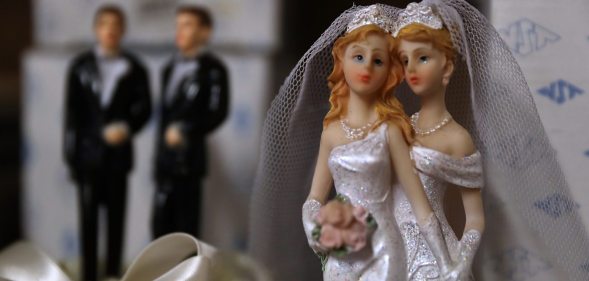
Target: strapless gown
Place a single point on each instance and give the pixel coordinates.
(362, 172)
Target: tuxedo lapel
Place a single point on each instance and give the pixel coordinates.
(179, 97)
(114, 71)
(90, 79)
(182, 83)
(189, 87)
(186, 91)
(112, 94)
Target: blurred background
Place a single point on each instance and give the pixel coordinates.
(260, 41)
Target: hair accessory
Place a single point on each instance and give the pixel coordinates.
(372, 14)
(417, 13)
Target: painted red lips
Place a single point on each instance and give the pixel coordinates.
(413, 80)
(364, 78)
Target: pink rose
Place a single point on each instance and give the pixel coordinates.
(355, 236)
(335, 213)
(360, 214)
(343, 225)
(331, 237)
(320, 219)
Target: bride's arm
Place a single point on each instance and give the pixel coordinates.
(405, 172)
(474, 227)
(471, 237)
(473, 208)
(322, 179)
(462, 146)
(413, 188)
(320, 188)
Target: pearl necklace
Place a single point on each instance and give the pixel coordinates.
(425, 132)
(354, 133)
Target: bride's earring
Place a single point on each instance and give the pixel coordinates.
(445, 81)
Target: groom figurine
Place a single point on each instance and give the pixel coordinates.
(107, 102)
(194, 102)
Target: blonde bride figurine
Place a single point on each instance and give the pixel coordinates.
(473, 112)
(362, 148)
(444, 153)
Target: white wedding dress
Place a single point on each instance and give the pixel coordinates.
(437, 171)
(362, 172)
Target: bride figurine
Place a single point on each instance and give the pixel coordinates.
(474, 110)
(363, 150)
(444, 152)
(533, 230)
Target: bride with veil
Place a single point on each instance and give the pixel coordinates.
(487, 95)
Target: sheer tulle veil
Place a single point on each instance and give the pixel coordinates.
(533, 230)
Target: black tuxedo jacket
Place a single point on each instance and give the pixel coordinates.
(84, 147)
(199, 106)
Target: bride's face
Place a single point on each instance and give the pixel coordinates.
(366, 64)
(424, 67)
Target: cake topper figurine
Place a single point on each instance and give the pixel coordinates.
(194, 102)
(107, 103)
(363, 150)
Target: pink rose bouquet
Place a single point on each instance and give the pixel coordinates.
(343, 228)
